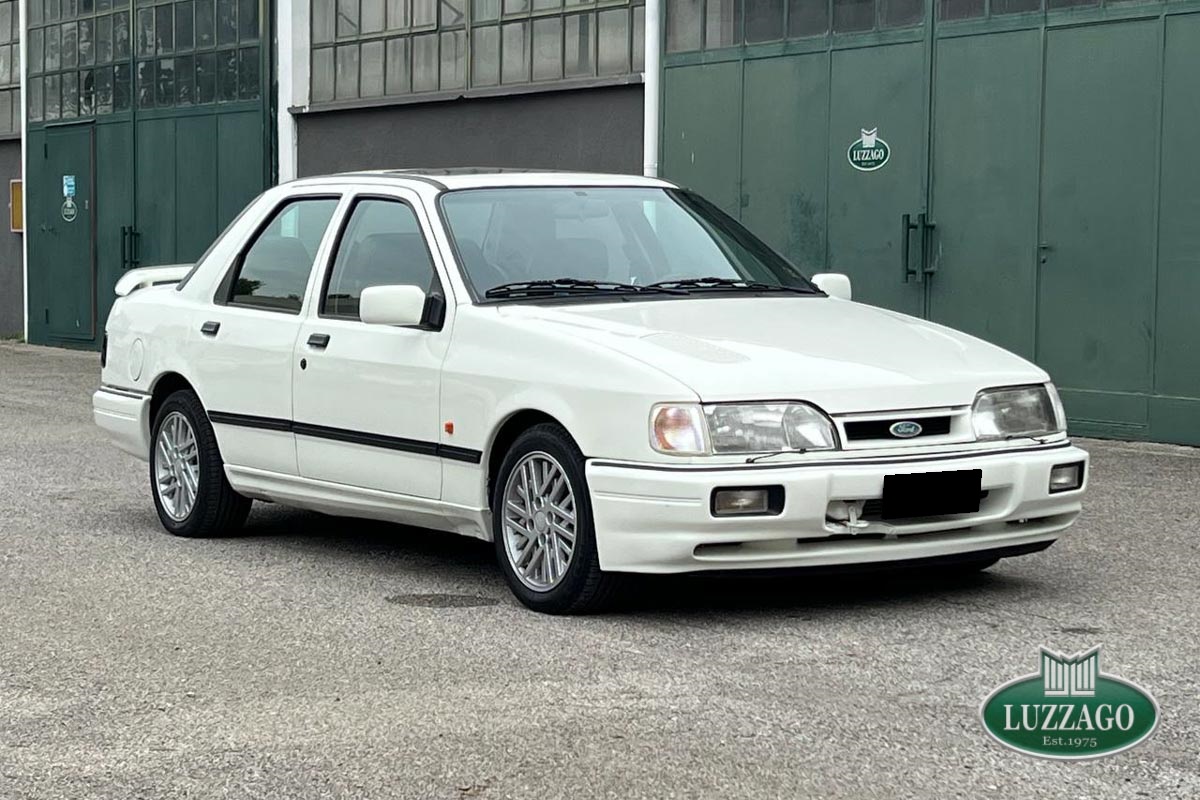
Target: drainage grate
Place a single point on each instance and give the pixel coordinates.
(441, 600)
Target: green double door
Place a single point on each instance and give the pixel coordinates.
(1038, 189)
(148, 131)
(1047, 212)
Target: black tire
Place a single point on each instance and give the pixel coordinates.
(218, 509)
(583, 587)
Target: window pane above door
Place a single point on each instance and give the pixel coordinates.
(382, 246)
(274, 271)
(853, 15)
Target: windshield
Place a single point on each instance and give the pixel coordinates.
(611, 235)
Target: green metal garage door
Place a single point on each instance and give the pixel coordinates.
(1017, 171)
(147, 133)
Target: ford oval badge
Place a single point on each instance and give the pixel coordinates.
(906, 429)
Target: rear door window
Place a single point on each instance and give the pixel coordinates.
(274, 270)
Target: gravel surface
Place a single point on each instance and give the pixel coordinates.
(318, 657)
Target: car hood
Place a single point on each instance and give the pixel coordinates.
(843, 356)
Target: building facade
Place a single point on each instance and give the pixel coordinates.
(534, 83)
(1019, 169)
(150, 123)
(1035, 185)
(12, 286)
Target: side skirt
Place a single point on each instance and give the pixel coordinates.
(352, 501)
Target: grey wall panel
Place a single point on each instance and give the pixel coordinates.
(597, 130)
(12, 278)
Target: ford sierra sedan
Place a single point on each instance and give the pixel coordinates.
(602, 375)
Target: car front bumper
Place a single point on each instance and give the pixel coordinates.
(125, 417)
(658, 519)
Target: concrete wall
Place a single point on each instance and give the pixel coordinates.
(598, 130)
(12, 278)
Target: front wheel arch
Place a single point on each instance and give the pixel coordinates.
(582, 586)
(506, 434)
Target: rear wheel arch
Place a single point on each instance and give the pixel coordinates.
(163, 387)
(190, 447)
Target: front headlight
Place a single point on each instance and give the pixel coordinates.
(1017, 411)
(740, 428)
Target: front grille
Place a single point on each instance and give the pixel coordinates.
(881, 428)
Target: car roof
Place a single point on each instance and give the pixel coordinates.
(451, 179)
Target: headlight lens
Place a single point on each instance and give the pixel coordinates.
(767, 428)
(1016, 411)
(726, 429)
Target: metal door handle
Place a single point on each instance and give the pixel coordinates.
(318, 341)
(906, 226)
(928, 265)
(210, 328)
(131, 247)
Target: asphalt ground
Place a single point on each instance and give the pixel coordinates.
(319, 657)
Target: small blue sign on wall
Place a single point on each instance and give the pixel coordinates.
(68, 185)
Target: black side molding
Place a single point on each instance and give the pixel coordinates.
(418, 446)
(247, 421)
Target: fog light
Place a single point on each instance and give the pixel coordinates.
(747, 501)
(1066, 477)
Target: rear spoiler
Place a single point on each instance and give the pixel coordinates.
(146, 277)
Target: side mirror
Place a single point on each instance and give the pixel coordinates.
(834, 284)
(392, 305)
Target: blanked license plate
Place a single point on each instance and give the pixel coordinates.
(932, 494)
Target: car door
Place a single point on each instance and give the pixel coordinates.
(367, 397)
(243, 344)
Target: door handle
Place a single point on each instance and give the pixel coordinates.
(928, 265)
(318, 341)
(131, 247)
(210, 328)
(1043, 248)
(906, 227)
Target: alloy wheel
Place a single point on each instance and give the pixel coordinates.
(539, 521)
(177, 466)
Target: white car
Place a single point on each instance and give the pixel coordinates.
(601, 374)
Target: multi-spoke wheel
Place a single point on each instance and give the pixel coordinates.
(176, 466)
(542, 522)
(187, 476)
(539, 521)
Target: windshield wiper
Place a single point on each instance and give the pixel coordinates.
(572, 286)
(736, 284)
